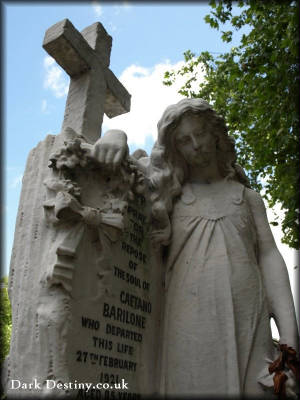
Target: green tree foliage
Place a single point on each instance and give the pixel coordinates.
(5, 320)
(255, 87)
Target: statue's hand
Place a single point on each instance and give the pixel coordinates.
(160, 237)
(111, 149)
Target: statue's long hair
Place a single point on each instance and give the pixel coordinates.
(168, 169)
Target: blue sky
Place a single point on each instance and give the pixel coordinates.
(148, 39)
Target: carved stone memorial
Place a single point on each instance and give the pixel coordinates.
(85, 285)
(161, 272)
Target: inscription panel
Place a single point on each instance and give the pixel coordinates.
(115, 323)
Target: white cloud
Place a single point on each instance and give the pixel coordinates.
(55, 79)
(97, 8)
(48, 61)
(149, 99)
(44, 107)
(124, 6)
(16, 181)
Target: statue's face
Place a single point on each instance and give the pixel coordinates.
(194, 141)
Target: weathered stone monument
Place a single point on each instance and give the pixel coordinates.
(136, 275)
(85, 284)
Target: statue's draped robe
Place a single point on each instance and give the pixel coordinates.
(217, 334)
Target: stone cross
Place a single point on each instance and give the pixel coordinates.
(94, 89)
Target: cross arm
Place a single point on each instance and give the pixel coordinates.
(67, 46)
(117, 97)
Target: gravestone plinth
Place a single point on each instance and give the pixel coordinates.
(85, 280)
(117, 317)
